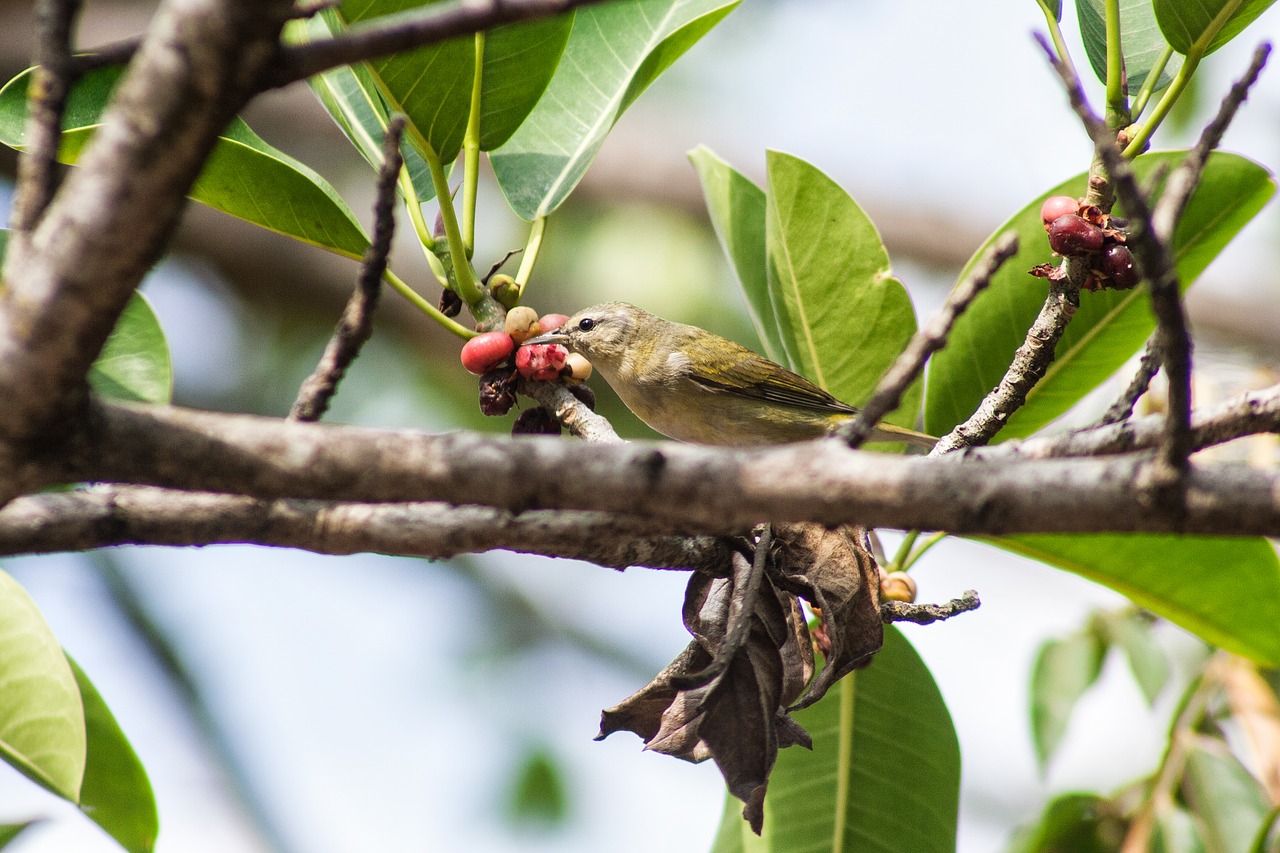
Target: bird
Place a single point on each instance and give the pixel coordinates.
(695, 386)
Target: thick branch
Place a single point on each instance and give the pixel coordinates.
(689, 489)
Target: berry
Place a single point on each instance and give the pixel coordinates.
(898, 586)
(1073, 235)
(551, 322)
(1057, 205)
(485, 351)
(535, 421)
(497, 391)
(577, 367)
(541, 361)
(522, 323)
(1117, 263)
(504, 289)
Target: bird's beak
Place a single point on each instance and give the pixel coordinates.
(556, 337)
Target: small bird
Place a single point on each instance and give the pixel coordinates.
(694, 386)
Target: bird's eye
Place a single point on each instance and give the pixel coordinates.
(586, 324)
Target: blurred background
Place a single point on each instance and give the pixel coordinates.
(284, 701)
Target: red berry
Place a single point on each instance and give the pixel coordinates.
(1117, 263)
(1073, 235)
(551, 322)
(541, 361)
(1057, 205)
(484, 351)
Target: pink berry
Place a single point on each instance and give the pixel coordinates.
(484, 351)
(1057, 205)
(541, 361)
(551, 322)
(1074, 235)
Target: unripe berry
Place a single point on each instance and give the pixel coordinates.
(577, 367)
(522, 323)
(1057, 205)
(485, 351)
(541, 361)
(1117, 263)
(898, 586)
(504, 289)
(1072, 235)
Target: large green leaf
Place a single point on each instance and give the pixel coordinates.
(116, 793)
(351, 96)
(42, 723)
(134, 363)
(842, 316)
(1064, 669)
(244, 176)
(432, 85)
(1212, 23)
(614, 52)
(1224, 590)
(1108, 328)
(883, 776)
(1140, 40)
(737, 209)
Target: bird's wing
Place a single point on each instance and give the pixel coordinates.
(737, 370)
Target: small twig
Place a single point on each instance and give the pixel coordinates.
(926, 614)
(50, 85)
(115, 53)
(499, 264)
(356, 325)
(572, 412)
(928, 340)
(746, 591)
(1148, 366)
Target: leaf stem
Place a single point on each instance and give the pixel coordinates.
(1166, 102)
(904, 550)
(531, 248)
(1117, 83)
(425, 238)
(465, 278)
(426, 307)
(471, 151)
(1149, 85)
(923, 549)
(1055, 33)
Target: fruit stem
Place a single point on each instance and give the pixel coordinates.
(426, 307)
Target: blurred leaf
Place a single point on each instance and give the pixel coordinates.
(1175, 832)
(1064, 669)
(10, 831)
(884, 773)
(432, 85)
(1186, 22)
(539, 794)
(614, 52)
(1229, 803)
(42, 724)
(1140, 39)
(1070, 823)
(1131, 631)
(737, 210)
(1108, 328)
(243, 176)
(351, 96)
(116, 793)
(843, 318)
(134, 363)
(1224, 590)
(1268, 839)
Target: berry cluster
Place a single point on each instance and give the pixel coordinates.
(500, 357)
(1078, 230)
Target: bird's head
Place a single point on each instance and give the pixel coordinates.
(604, 333)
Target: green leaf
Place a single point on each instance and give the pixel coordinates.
(1268, 839)
(1224, 590)
(1229, 802)
(1175, 832)
(350, 94)
(737, 209)
(539, 795)
(1063, 671)
(134, 363)
(10, 831)
(432, 85)
(1053, 7)
(244, 176)
(1206, 25)
(116, 793)
(884, 773)
(1108, 328)
(1131, 631)
(842, 316)
(614, 52)
(1070, 823)
(42, 723)
(1140, 40)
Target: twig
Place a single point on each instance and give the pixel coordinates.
(928, 340)
(1156, 263)
(408, 30)
(572, 412)
(50, 85)
(926, 614)
(356, 325)
(1148, 366)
